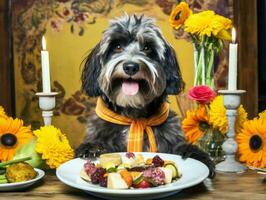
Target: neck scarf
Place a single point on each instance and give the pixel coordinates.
(137, 126)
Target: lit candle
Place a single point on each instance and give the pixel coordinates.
(232, 72)
(45, 68)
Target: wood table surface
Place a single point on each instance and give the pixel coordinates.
(249, 185)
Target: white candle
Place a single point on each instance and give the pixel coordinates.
(232, 71)
(45, 68)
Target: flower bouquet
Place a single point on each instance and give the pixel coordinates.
(206, 124)
(207, 31)
(46, 147)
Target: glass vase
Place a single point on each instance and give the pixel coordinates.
(211, 142)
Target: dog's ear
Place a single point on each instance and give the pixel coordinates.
(91, 72)
(174, 81)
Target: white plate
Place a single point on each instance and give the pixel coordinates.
(193, 172)
(23, 184)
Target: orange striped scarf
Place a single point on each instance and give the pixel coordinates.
(137, 126)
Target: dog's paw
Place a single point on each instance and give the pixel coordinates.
(89, 151)
(192, 151)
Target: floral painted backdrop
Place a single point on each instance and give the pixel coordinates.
(72, 28)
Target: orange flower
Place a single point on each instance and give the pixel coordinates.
(179, 15)
(195, 123)
(12, 135)
(252, 143)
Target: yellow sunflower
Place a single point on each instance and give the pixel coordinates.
(12, 135)
(217, 115)
(2, 113)
(179, 14)
(252, 143)
(208, 23)
(53, 145)
(195, 123)
(262, 115)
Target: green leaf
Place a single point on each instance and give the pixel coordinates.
(29, 150)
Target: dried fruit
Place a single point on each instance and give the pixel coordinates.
(97, 175)
(130, 155)
(157, 161)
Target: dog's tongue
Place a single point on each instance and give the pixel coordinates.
(130, 87)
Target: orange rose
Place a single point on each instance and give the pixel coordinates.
(179, 15)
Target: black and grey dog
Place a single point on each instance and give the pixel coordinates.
(133, 69)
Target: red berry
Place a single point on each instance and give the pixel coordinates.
(142, 184)
(157, 161)
(103, 181)
(130, 155)
(97, 175)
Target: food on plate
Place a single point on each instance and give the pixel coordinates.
(16, 170)
(19, 172)
(130, 170)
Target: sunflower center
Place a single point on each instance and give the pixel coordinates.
(203, 126)
(255, 143)
(8, 139)
(178, 15)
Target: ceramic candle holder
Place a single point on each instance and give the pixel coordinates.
(231, 103)
(47, 104)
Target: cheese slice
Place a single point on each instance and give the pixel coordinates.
(115, 181)
(168, 175)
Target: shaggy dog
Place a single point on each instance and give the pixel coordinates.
(133, 69)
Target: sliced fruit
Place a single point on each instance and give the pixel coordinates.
(123, 166)
(138, 180)
(168, 162)
(148, 161)
(168, 174)
(135, 174)
(129, 161)
(142, 184)
(84, 175)
(174, 169)
(108, 165)
(115, 181)
(127, 177)
(111, 169)
(139, 159)
(106, 159)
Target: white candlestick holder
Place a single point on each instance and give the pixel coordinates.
(47, 104)
(231, 100)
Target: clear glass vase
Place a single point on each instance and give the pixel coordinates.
(211, 142)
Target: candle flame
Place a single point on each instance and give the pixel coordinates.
(43, 43)
(233, 35)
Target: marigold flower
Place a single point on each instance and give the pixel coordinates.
(252, 143)
(210, 24)
(53, 145)
(179, 14)
(218, 119)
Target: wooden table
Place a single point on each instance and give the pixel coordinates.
(249, 186)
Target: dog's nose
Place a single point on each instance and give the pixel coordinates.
(130, 68)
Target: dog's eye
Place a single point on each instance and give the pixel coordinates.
(147, 49)
(118, 48)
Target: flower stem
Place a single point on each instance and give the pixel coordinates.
(203, 66)
(209, 77)
(3, 164)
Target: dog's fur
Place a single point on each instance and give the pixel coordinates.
(138, 40)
